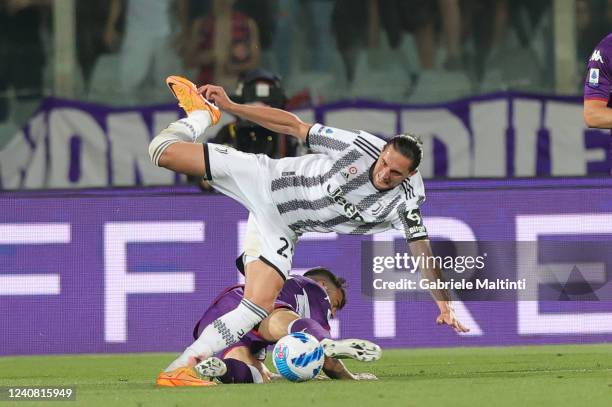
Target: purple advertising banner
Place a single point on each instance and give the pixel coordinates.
(132, 270)
(70, 144)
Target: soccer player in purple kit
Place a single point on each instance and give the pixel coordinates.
(305, 304)
(597, 86)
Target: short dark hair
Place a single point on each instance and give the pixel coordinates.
(410, 146)
(326, 274)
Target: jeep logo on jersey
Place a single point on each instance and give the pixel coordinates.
(349, 209)
(596, 56)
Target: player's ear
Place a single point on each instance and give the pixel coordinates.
(325, 286)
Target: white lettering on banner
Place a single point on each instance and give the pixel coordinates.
(530, 320)
(527, 123)
(375, 121)
(14, 160)
(446, 127)
(568, 154)
(118, 283)
(445, 228)
(128, 133)
(32, 234)
(475, 148)
(489, 121)
(64, 125)
(36, 175)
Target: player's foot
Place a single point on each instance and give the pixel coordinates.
(186, 359)
(358, 349)
(183, 376)
(211, 367)
(189, 99)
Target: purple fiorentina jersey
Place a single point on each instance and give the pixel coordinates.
(307, 299)
(300, 294)
(599, 72)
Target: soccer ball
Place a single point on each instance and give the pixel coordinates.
(298, 357)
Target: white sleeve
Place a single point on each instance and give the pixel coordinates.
(330, 140)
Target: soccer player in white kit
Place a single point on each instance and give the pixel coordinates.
(356, 183)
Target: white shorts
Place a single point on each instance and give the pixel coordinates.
(246, 178)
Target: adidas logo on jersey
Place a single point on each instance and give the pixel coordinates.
(596, 56)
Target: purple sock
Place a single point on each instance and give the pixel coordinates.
(310, 326)
(237, 372)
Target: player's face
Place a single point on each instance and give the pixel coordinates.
(335, 296)
(391, 169)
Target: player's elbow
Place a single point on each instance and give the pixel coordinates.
(589, 117)
(596, 114)
(299, 130)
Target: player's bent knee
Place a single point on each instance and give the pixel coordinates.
(277, 324)
(158, 149)
(185, 158)
(165, 158)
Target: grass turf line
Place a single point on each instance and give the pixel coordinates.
(567, 375)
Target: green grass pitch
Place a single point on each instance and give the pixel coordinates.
(576, 375)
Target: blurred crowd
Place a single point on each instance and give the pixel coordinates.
(324, 50)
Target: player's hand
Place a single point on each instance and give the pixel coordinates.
(449, 318)
(215, 94)
(365, 376)
(266, 374)
(267, 377)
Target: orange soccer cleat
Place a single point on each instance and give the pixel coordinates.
(183, 376)
(189, 99)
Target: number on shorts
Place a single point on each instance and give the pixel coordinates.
(286, 245)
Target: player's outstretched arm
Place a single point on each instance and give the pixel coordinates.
(597, 114)
(335, 369)
(277, 120)
(442, 297)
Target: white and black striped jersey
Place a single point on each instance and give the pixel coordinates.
(332, 191)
